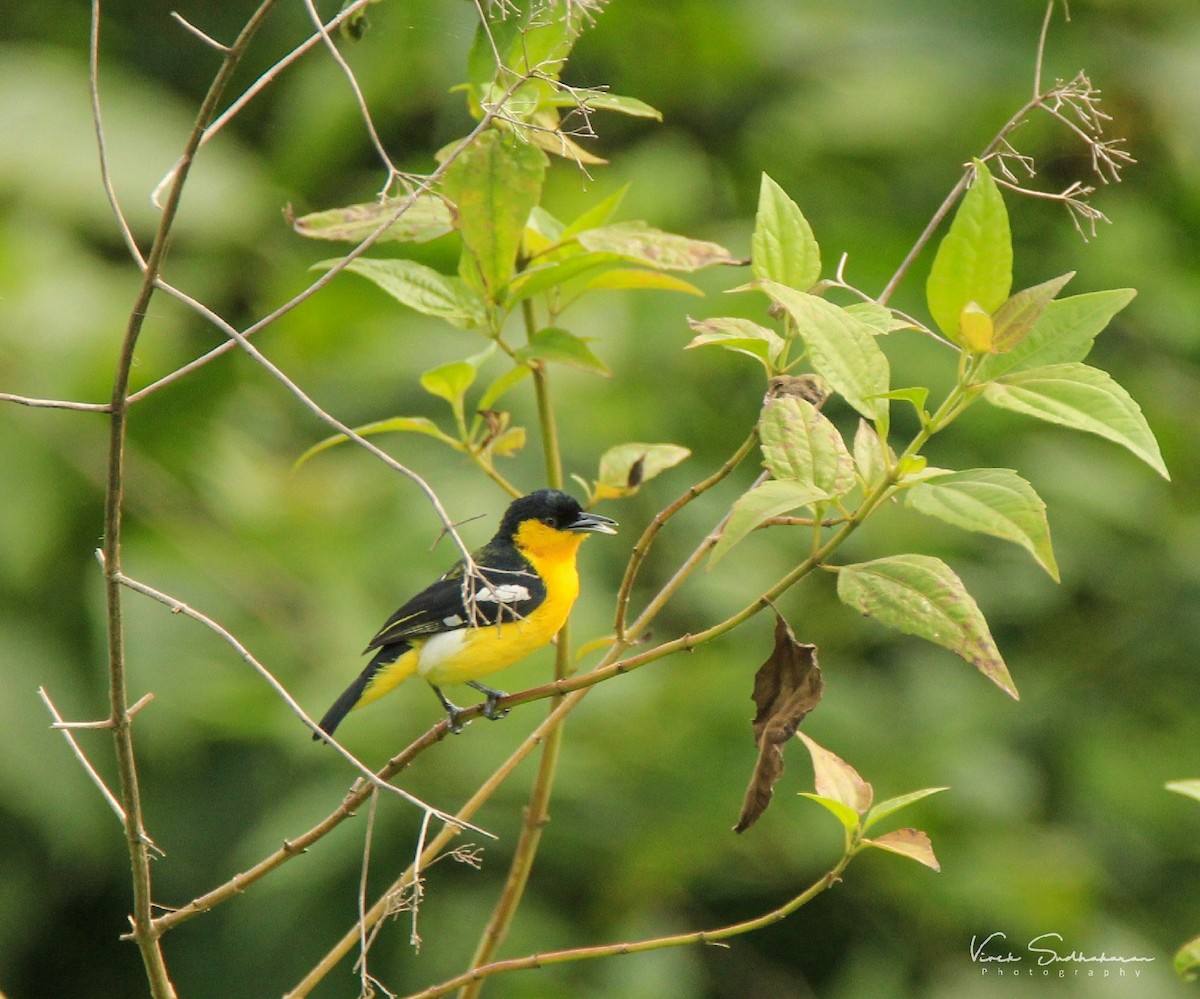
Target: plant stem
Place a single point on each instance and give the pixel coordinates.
(536, 813)
(144, 932)
(545, 408)
(475, 975)
(964, 181)
(642, 547)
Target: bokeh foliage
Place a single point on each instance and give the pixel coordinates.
(1056, 820)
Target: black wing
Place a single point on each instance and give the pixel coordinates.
(491, 594)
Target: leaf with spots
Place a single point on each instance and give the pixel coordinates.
(800, 444)
(664, 251)
(921, 595)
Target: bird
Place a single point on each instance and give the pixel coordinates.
(512, 598)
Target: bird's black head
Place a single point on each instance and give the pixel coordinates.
(555, 509)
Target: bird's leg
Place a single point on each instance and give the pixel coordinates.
(453, 711)
(490, 711)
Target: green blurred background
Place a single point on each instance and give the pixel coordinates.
(863, 110)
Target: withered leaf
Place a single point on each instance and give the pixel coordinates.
(786, 688)
(912, 843)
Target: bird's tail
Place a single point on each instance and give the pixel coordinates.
(376, 670)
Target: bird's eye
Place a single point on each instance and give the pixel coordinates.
(548, 521)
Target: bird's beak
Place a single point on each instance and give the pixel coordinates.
(593, 522)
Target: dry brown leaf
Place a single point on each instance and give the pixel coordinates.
(786, 688)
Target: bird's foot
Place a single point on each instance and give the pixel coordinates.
(453, 712)
(491, 711)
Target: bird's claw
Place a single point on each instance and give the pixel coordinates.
(491, 711)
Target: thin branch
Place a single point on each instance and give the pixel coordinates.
(65, 727)
(192, 29)
(437, 845)
(157, 975)
(476, 975)
(402, 206)
(101, 149)
(363, 110)
(321, 414)
(1041, 49)
(179, 607)
(537, 809)
(642, 547)
(366, 987)
(85, 407)
(293, 848)
(105, 723)
(998, 142)
(259, 85)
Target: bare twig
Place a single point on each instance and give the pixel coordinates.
(321, 414)
(130, 795)
(475, 975)
(642, 547)
(85, 407)
(402, 206)
(179, 607)
(1081, 99)
(363, 110)
(98, 123)
(65, 727)
(256, 88)
(208, 40)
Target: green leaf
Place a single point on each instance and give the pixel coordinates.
(411, 424)
(995, 501)
(835, 779)
(554, 344)
(661, 250)
(542, 232)
(915, 396)
(878, 317)
(602, 100)
(764, 501)
(1015, 318)
(426, 218)
(974, 260)
(598, 214)
(869, 457)
(502, 384)
(1187, 961)
(922, 596)
(624, 467)
(783, 248)
(1063, 332)
(846, 815)
(543, 277)
(911, 843)
(420, 288)
(740, 335)
(800, 444)
(1083, 398)
(632, 278)
(449, 381)
(507, 443)
(892, 805)
(842, 349)
(494, 184)
(1191, 788)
